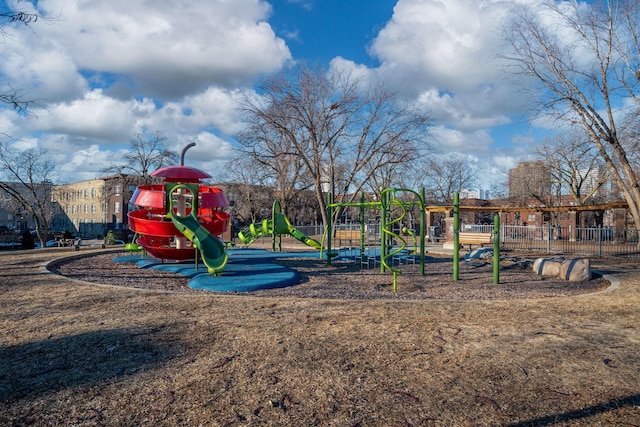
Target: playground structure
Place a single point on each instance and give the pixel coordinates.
(278, 225)
(392, 243)
(181, 218)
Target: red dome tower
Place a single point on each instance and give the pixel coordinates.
(181, 217)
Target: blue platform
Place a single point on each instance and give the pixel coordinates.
(246, 270)
(252, 269)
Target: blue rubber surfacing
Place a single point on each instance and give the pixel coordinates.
(246, 270)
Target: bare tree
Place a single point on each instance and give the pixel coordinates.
(500, 189)
(147, 153)
(10, 15)
(26, 178)
(575, 168)
(8, 94)
(249, 192)
(444, 177)
(585, 59)
(402, 174)
(272, 158)
(340, 131)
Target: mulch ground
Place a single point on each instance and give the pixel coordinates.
(348, 280)
(74, 353)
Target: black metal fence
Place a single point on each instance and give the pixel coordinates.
(606, 241)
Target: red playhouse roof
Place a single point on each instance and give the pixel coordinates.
(181, 174)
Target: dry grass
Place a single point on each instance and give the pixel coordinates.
(78, 354)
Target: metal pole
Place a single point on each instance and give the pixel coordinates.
(599, 239)
(423, 221)
(549, 231)
(456, 231)
(383, 223)
(273, 226)
(362, 230)
(329, 232)
(184, 150)
(496, 249)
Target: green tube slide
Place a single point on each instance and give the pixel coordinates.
(279, 224)
(253, 231)
(212, 250)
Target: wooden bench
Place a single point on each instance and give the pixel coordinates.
(351, 236)
(474, 238)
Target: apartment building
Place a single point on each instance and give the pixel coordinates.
(89, 209)
(14, 215)
(530, 179)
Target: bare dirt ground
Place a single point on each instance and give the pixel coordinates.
(338, 350)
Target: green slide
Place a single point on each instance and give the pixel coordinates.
(253, 231)
(279, 224)
(301, 236)
(212, 250)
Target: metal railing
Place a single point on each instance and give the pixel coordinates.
(601, 241)
(606, 241)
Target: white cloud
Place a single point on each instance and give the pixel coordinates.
(445, 55)
(448, 44)
(45, 74)
(214, 107)
(168, 49)
(210, 154)
(447, 140)
(87, 163)
(105, 71)
(94, 116)
(357, 71)
(77, 159)
(505, 162)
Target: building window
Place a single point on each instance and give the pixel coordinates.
(93, 193)
(86, 193)
(116, 207)
(86, 208)
(73, 209)
(117, 189)
(93, 208)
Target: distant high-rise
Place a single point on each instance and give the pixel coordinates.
(475, 193)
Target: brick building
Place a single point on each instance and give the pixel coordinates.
(89, 209)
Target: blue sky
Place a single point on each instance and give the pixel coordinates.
(322, 30)
(104, 71)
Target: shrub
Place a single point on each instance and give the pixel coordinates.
(110, 238)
